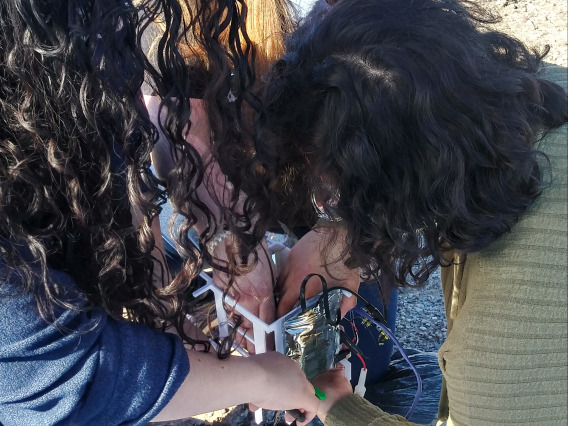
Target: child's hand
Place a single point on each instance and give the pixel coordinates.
(335, 386)
(285, 386)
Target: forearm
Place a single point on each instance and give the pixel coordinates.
(355, 411)
(213, 384)
(271, 381)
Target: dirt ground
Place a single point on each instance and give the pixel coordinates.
(536, 23)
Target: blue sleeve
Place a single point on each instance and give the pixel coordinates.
(88, 370)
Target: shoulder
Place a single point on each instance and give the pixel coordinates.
(83, 367)
(557, 74)
(510, 325)
(39, 359)
(20, 319)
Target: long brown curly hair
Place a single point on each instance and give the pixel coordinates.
(76, 190)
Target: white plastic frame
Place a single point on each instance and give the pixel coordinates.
(260, 329)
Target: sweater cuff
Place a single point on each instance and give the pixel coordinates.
(354, 410)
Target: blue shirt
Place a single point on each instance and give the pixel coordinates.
(89, 369)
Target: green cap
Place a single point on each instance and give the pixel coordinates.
(319, 394)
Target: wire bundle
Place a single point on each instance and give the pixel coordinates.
(371, 314)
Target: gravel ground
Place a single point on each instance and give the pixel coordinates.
(420, 318)
(420, 314)
(536, 23)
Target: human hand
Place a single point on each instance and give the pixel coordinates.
(270, 380)
(254, 292)
(305, 258)
(286, 386)
(335, 386)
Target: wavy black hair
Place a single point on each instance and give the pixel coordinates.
(76, 190)
(420, 117)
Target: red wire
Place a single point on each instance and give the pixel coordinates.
(362, 361)
(355, 331)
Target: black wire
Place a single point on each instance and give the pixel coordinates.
(368, 307)
(373, 311)
(325, 294)
(269, 263)
(384, 301)
(352, 346)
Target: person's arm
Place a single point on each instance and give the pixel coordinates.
(306, 258)
(270, 381)
(92, 369)
(342, 407)
(354, 410)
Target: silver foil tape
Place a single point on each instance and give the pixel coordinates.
(309, 338)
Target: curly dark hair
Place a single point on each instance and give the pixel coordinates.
(422, 119)
(76, 190)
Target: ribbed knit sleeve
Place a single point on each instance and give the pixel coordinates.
(356, 411)
(506, 355)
